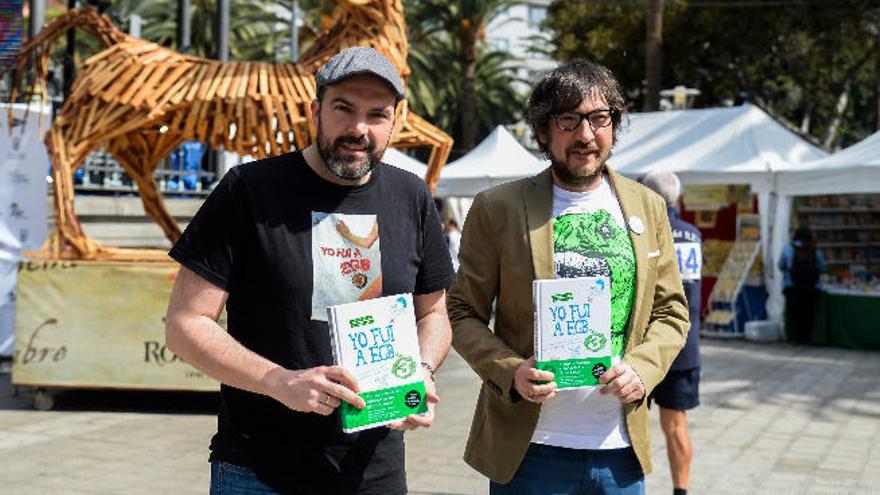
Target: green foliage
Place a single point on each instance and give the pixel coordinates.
(256, 27)
(436, 91)
(457, 82)
(794, 58)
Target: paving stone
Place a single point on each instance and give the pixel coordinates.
(767, 424)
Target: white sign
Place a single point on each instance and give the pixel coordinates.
(24, 165)
(690, 260)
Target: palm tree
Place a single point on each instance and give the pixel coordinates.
(256, 26)
(465, 21)
(437, 94)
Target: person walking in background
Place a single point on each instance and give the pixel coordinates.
(275, 243)
(577, 218)
(453, 240)
(679, 391)
(801, 264)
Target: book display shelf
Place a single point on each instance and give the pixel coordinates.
(847, 230)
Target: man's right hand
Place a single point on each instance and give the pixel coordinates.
(320, 390)
(528, 381)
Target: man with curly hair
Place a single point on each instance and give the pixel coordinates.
(577, 218)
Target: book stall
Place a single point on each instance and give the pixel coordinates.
(847, 231)
(838, 198)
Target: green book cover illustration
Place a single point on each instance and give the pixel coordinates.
(573, 329)
(377, 342)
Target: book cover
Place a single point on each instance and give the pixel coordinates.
(377, 342)
(573, 329)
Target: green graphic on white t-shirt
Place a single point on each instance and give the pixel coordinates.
(594, 245)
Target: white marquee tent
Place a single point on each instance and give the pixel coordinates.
(397, 158)
(735, 145)
(849, 171)
(497, 159)
(852, 170)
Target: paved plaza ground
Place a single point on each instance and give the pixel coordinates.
(775, 419)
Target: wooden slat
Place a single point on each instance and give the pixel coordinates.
(196, 82)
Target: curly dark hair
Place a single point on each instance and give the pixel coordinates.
(564, 89)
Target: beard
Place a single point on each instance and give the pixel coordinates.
(579, 179)
(348, 167)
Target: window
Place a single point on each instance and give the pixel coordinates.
(500, 44)
(537, 14)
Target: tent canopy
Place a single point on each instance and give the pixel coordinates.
(397, 158)
(736, 145)
(850, 171)
(497, 159)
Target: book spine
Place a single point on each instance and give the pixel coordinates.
(536, 305)
(333, 328)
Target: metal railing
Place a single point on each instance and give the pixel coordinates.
(101, 173)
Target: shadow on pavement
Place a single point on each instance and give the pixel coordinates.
(22, 398)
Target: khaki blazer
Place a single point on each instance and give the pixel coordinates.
(506, 243)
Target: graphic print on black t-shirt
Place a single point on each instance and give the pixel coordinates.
(346, 260)
(593, 245)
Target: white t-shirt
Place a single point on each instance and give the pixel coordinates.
(453, 239)
(583, 418)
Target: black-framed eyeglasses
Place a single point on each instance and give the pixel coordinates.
(599, 118)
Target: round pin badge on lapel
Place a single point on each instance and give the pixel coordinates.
(636, 225)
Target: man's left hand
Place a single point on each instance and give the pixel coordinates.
(622, 381)
(414, 421)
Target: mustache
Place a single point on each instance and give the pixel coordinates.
(583, 147)
(357, 141)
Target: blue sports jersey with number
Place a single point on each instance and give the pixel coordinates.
(689, 251)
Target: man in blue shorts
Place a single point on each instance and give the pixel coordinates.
(680, 390)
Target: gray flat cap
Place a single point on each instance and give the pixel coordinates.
(359, 60)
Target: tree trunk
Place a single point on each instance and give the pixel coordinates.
(653, 55)
(877, 79)
(805, 121)
(468, 89)
(836, 118)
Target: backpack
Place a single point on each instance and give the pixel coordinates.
(804, 268)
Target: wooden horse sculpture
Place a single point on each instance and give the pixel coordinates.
(140, 101)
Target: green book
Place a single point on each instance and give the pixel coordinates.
(377, 342)
(573, 329)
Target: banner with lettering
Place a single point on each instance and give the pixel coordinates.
(8, 270)
(24, 165)
(97, 324)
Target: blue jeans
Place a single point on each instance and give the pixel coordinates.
(548, 470)
(229, 479)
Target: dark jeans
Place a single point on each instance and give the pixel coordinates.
(229, 479)
(800, 312)
(548, 470)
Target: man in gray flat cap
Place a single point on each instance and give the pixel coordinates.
(276, 242)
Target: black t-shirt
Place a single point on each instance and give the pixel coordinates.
(284, 244)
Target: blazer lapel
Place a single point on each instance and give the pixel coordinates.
(539, 212)
(634, 213)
